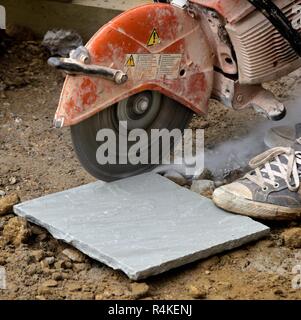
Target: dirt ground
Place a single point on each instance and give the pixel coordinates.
(36, 160)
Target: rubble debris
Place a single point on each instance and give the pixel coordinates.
(12, 180)
(139, 290)
(7, 203)
(292, 238)
(16, 231)
(74, 255)
(78, 267)
(50, 284)
(43, 291)
(2, 261)
(206, 175)
(37, 231)
(49, 261)
(219, 183)
(203, 187)
(61, 42)
(73, 287)
(57, 276)
(61, 264)
(176, 177)
(37, 255)
(196, 292)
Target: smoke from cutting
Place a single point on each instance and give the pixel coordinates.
(236, 154)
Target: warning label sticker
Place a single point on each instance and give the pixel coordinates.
(153, 66)
(130, 61)
(154, 38)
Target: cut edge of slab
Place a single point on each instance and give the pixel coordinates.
(204, 254)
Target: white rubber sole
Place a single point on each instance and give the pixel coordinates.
(265, 211)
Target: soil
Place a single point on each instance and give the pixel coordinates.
(36, 160)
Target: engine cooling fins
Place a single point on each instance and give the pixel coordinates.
(280, 22)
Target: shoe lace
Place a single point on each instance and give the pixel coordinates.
(277, 163)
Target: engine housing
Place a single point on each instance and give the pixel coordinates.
(262, 53)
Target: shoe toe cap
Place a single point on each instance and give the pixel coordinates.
(233, 190)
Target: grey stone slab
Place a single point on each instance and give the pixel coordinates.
(143, 226)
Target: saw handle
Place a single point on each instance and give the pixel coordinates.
(72, 66)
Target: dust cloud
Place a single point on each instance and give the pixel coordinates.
(235, 154)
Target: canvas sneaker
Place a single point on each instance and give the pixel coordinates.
(270, 191)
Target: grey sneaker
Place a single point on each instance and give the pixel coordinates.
(271, 191)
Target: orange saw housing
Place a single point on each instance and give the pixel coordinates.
(159, 47)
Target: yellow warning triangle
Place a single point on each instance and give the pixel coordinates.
(131, 61)
(154, 38)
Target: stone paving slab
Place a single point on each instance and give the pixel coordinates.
(144, 225)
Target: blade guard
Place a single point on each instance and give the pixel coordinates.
(159, 46)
